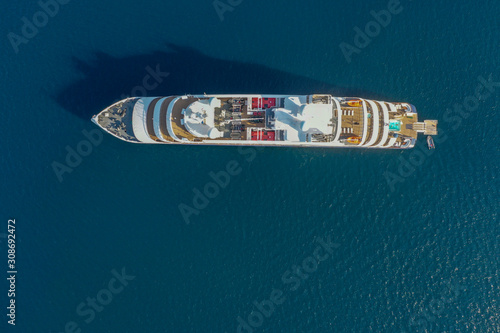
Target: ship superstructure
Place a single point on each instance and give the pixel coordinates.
(269, 120)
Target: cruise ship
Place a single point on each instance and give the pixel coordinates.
(319, 120)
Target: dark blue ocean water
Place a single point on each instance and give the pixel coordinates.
(416, 236)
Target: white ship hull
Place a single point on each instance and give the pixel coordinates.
(265, 120)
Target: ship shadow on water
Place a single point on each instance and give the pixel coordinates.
(107, 79)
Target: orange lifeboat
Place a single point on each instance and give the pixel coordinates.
(354, 103)
(354, 140)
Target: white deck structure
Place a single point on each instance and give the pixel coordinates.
(139, 121)
(199, 118)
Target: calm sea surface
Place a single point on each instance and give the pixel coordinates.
(300, 240)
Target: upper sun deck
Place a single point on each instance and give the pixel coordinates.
(258, 118)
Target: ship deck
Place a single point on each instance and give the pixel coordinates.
(150, 119)
(232, 118)
(407, 128)
(352, 122)
(163, 119)
(117, 119)
(179, 129)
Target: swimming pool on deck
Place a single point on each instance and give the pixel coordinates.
(395, 125)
